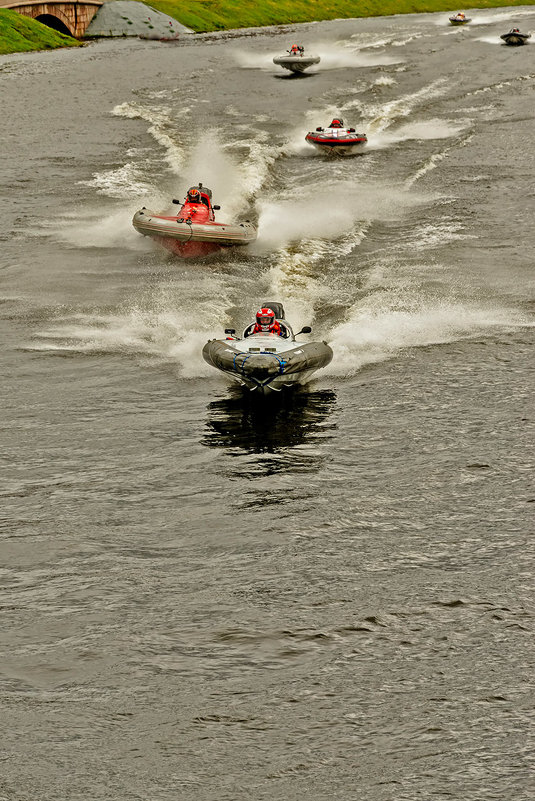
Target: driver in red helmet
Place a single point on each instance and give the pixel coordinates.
(194, 195)
(266, 323)
(337, 123)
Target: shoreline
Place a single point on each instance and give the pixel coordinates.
(220, 16)
(20, 34)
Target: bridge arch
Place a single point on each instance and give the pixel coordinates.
(70, 17)
(55, 22)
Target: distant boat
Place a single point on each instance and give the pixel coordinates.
(337, 139)
(514, 38)
(459, 19)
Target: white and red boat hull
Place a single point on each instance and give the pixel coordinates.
(337, 141)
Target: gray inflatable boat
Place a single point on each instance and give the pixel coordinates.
(295, 59)
(264, 362)
(514, 38)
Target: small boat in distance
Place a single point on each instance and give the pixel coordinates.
(267, 357)
(193, 231)
(336, 139)
(459, 19)
(514, 38)
(296, 60)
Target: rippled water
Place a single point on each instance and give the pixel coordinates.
(329, 596)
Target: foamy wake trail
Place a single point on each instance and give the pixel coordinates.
(101, 228)
(161, 127)
(210, 164)
(303, 235)
(122, 182)
(384, 80)
(305, 218)
(433, 160)
(172, 332)
(234, 180)
(335, 57)
(294, 274)
(379, 117)
(285, 222)
(495, 40)
(384, 42)
(425, 130)
(382, 325)
(500, 16)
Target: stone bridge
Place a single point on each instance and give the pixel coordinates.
(69, 18)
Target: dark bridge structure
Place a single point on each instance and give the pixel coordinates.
(70, 18)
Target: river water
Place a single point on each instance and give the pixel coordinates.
(328, 596)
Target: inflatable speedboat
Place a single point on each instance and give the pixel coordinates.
(295, 59)
(514, 38)
(193, 231)
(459, 19)
(337, 139)
(265, 362)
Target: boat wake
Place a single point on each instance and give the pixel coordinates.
(165, 330)
(123, 182)
(389, 41)
(500, 16)
(162, 127)
(422, 131)
(377, 117)
(386, 322)
(99, 228)
(308, 244)
(303, 218)
(495, 40)
(345, 55)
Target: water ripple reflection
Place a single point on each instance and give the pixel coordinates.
(274, 426)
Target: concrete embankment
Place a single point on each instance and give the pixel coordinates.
(129, 18)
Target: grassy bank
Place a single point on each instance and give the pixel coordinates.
(210, 15)
(19, 34)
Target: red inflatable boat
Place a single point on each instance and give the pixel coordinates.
(337, 139)
(193, 231)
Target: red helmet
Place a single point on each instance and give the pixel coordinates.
(194, 195)
(336, 123)
(265, 318)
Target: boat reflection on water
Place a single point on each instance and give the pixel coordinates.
(254, 425)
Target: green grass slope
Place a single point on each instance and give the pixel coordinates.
(19, 34)
(210, 15)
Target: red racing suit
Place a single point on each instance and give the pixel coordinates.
(274, 328)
